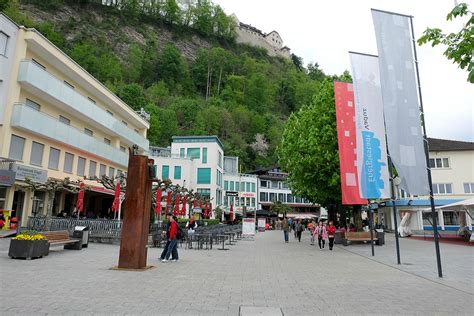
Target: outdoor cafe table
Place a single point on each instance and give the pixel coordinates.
(223, 237)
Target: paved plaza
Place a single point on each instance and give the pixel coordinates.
(261, 275)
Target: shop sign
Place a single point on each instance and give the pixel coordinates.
(34, 174)
(247, 195)
(7, 178)
(231, 193)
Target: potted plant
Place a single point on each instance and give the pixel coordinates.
(28, 245)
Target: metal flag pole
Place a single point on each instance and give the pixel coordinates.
(394, 208)
(425, 140)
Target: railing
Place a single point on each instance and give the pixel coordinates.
(99, 229)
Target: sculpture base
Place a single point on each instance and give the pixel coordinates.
(137, 270)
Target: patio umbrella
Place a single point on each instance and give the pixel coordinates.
(176, 206)
(209, 214)
(168, 200)
(232, 212)
(80, 200)
(195, 203)
(158, 201)
(200, 204)
(116, 204)
(205, 210)
(183, 209)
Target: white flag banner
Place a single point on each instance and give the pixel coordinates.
(400, 100)
(372, 166)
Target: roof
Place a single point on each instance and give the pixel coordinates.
(436, 144)
(198, 139)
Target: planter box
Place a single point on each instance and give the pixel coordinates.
(28, 249)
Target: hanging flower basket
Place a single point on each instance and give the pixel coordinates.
(28, 245)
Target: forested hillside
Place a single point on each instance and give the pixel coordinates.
(182, 65)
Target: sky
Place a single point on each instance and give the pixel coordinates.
(324, 31)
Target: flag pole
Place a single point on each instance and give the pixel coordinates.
(425, 141)
(394, 207)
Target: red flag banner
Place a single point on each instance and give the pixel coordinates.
(80, 199)
(116, 204)
(183, 209)
(176, 205)
(346, 136)
(158, 201)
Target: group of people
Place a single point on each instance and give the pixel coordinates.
(319, 231)
(172, 235)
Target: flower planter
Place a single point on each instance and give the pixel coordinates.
(28, 249)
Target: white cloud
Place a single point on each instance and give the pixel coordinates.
(324, 31)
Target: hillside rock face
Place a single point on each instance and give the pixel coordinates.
(82, 23)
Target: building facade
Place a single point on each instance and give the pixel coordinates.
(57, 121)
(452, 170)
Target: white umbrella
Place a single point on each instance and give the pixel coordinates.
(458, 206)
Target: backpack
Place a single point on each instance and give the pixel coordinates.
(180, 233)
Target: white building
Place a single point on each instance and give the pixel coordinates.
(452, 170)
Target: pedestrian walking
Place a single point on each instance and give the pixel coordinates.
(286, 229)
(321, 233)
(191, 226)
(173, 240)
(299, 230)
(311, 228)
(331, 230)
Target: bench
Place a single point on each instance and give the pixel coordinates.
(60, 238)
(358, 236)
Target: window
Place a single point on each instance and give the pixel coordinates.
(177, 172)
(122, 148)
(64, 120)
(68, 162)
(54, 158)
(438, 163)
(219, 162)
(107, 141)
(181, 152)
(33, 105)
(442, 188)
(281, 197)
(253, 187)
(231, 187)
(273, 197)
(242, 186)
(252, 202)
(194, 153)
(111, 172)
(16, 148)
(165, 172)
(92, 100)
(274, 184)
(263, 196)
(81, 166)
(37, 63)
(92, 168)
(284, 185)
(3, 43)
(226, 203)
(263, 184)
(468, 187)
(88, 132)
(247, 186)
(125, 123)
(110, 113)
(204, 176)
(3, 194)
(204, 193)
(450, 218)
(226, 185)
(137, 131)
(204, 155)
(289, 198)
(237, 186)
(69, 85)
(102, 170)
(36, 157)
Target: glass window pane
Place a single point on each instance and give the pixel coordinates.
(432, 163)
(54, 158)
(64, 120)
(204, 155)
(253, 187)
(445, 163)
(232, 183)
(467, 188)
(36, 157)
(435, 188)
(68, 161)
(226, 185)
(204, 176)
(438, 163)
(3, 43)
(181, 152)
(247, 186)
(111, 172)
(442, 189)
(177, 172)
(165, 172)
(92, 168)
(81, 166)
(102, 170)
(88, 132)
(33, 105)
(194, 153)
(17, 144)
(449, 188)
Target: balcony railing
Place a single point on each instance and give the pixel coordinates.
(35, 76)
(48, 126)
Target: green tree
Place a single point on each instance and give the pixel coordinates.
(172, 13)
(460, 45)
(133, 95)
(309, 151)
(133, 68)
(203, 21)
(315, 73)
(172, 68)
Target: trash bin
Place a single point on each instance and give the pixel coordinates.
(82, 232)
(380, 238)
(338, 237)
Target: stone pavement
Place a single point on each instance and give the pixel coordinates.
(295, 277)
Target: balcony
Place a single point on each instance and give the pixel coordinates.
(39, 123)
(42, 82)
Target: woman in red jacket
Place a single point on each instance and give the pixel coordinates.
(331, 232)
